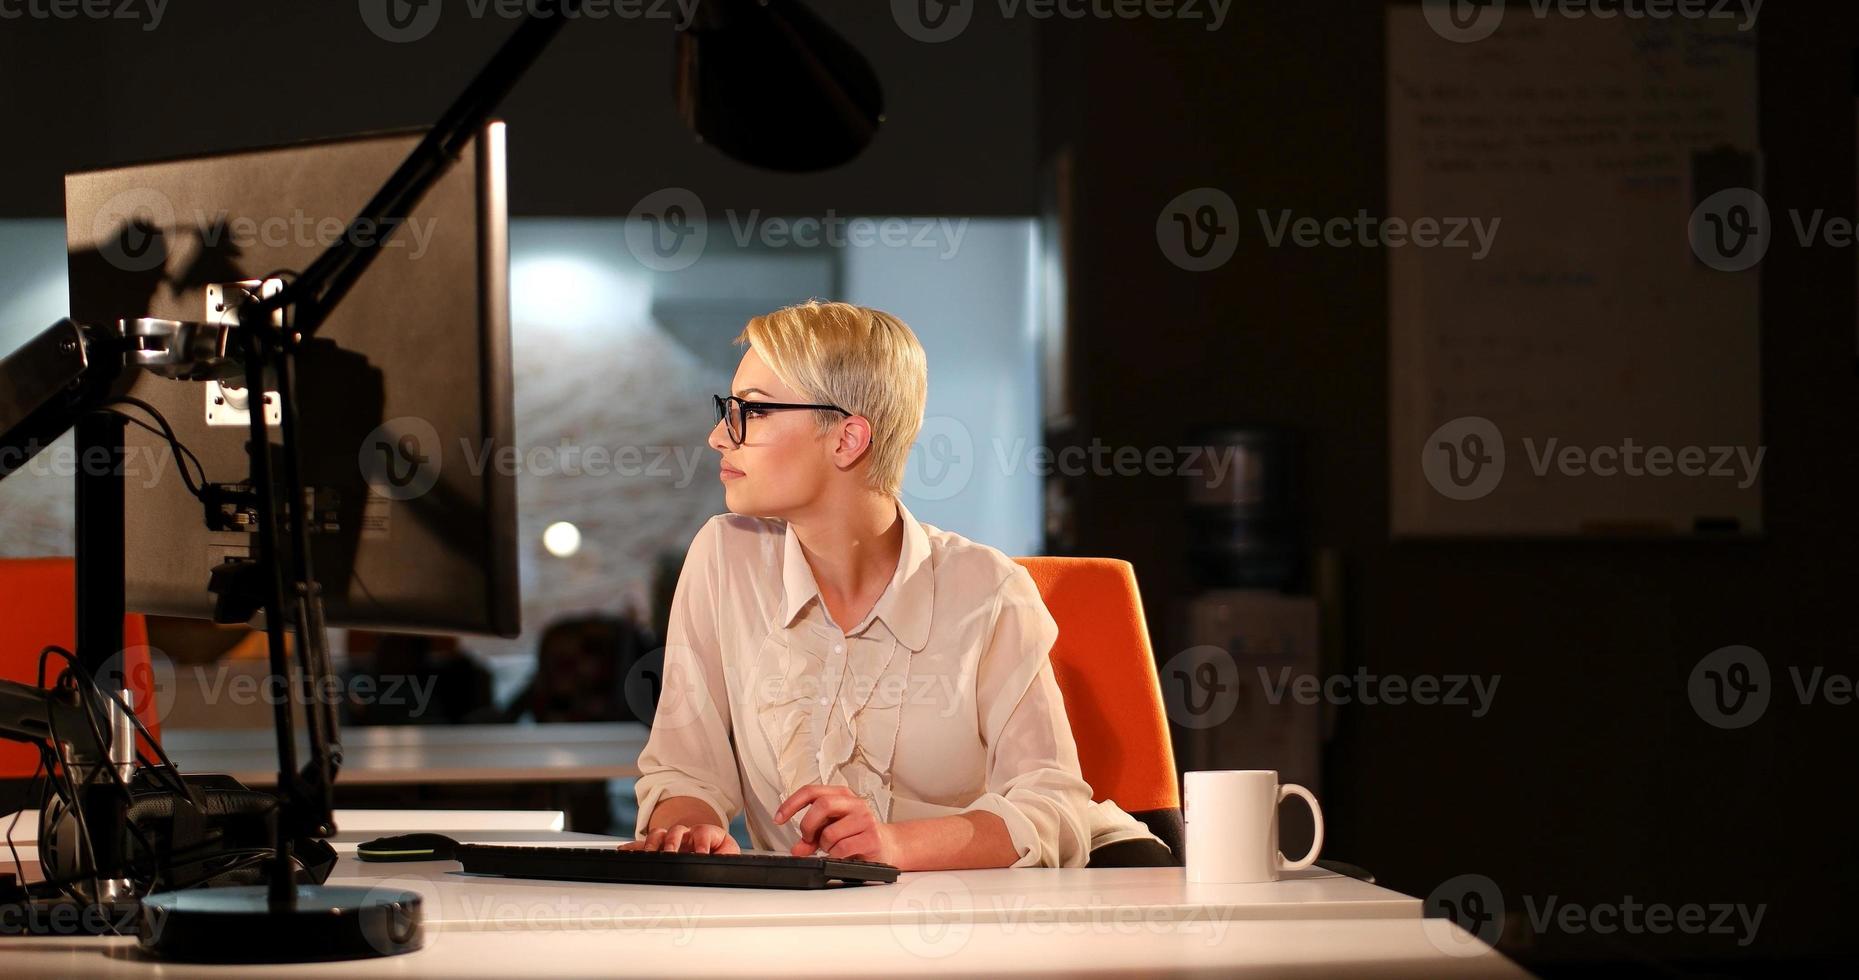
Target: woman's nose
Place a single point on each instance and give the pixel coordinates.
(719, 438)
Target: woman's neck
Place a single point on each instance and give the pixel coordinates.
(852, 548)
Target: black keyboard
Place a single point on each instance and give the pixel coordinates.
(668, 868)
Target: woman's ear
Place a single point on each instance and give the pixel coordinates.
(853, 440)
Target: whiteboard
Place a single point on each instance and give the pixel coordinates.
(1591, 373)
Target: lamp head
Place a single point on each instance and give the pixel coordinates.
(768, 83)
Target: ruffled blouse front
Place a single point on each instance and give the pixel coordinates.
(831, 705)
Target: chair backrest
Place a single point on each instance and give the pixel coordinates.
(1106, 672)
(38, 607)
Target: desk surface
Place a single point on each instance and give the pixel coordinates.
(1372, 948)
(1016, 922)
(455, 901)
(407, 754)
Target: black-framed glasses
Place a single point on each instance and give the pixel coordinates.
(735, 413)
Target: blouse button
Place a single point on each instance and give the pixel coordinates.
(839, 648)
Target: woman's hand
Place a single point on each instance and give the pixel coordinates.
(841, 824)
(704, 838)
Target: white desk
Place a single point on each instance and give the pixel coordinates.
(1019, 922)
(1371, 948)
(459, 902)
(423, 754)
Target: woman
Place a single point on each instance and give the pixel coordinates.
(865, 686)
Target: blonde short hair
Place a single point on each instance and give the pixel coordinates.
(865, 361)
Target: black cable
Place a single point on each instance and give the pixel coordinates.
(167, 766)
(175, 448)
(166, 432)
(86, 686)
(91, 711)
(68, 789)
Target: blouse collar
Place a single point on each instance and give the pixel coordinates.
(905, 604)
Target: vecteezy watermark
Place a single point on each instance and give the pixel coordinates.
(1473, 904)
(128, 229)
(1464, 916)
(405, 21)
(149, 12)
(877, 692)
(1464, 459)
(131, 226)
(297, 228)
(1732, 230)
(666, 689)
(943, 460)
(1465, 21)
(153, 674)
(571, 912)
(66, 918)
(144, 676)
(933, 916)
(833, 230)
(677, 463)
(1199, 229)
(534, 908)
(1475, 691)
(402, 458)
(217, 684)
(1200, 687)
(1209, 464)
(1730, 687)
(934, 21)
(668, 230)
(1369, 231)
(146, 464)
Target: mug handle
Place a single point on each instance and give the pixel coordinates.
(1316, 839)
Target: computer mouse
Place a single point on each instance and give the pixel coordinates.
(408, 847)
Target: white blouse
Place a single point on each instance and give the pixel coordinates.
(941, 701)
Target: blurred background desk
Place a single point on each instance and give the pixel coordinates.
(547, 767)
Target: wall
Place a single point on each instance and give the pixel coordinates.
(1592, 779)
(968, 298)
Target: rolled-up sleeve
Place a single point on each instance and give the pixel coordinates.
(689, 752)
(1034, 782)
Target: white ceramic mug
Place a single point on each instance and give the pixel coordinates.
(1232, 825)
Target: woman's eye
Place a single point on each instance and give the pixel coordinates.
(754, 413)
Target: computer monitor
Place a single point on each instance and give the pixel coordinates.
(404, 396)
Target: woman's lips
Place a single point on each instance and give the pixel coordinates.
(727, 472)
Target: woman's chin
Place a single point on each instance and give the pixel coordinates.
(737, 500)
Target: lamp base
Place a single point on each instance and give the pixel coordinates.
(240, 925)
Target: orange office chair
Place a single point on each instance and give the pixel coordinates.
(38, 608)
(1106, 673)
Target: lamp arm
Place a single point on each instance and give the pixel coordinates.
(315, 293)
